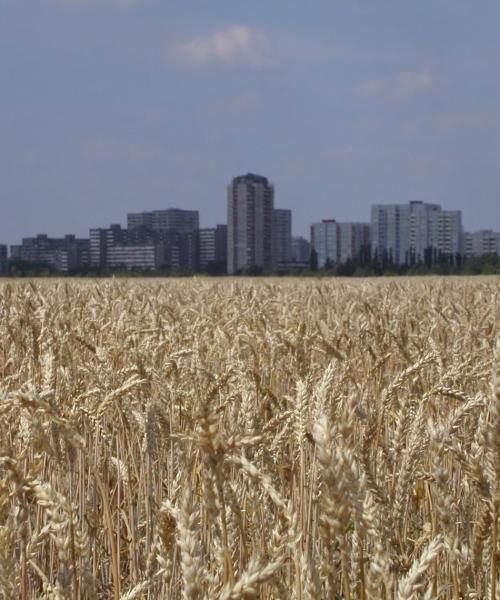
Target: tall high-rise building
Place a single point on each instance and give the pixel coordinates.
(282, 236)
(250, 203)
(414, 233)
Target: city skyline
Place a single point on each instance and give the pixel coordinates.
(258, 237)
(125, 220)
(302, 230)
(114, 106)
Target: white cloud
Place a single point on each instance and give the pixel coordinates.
(233, 46)
(404, 85)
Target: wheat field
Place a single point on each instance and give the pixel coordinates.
(245, 438)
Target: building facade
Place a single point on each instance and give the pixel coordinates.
(353, 240)
(481, 243)
(206, 247)
(390, 232)
(301, 250)
(337, 243)
(102, 240)
(221, 246)
(417, 232)
(169, 219)
(142, 257)
(212, 249)
(61, 254)
(325, 242)
(450, 232)
(250, 204)
(282, 237)
(173, 228)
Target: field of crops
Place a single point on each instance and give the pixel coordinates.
(286, 439)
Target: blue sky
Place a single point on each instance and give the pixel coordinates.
(111, 106)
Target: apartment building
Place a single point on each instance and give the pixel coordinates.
(212, 248)
(174, 229)
(412, 233)
(62, 254)
(481, 243)
(102, 240)
(337, 243)
(142, 257)
(282, 237)
(250, 204)
(221, 246)
(169, 219)
(354, 238)
(301, 250)
(325, 242)
(450, 232)
(206, 247)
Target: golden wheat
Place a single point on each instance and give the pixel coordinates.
(273, 439)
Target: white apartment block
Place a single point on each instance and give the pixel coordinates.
(481, 243)
(407, 233)
(336, 243)
(325, 241)
(390, 235)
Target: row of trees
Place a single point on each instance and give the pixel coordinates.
(363, 266)
(434, 263)
(28, 269)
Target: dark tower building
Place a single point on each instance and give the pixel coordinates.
(250, 203)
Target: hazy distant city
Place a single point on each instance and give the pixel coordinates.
(257, 238)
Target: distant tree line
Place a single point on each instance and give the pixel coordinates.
(434, 262)
(364, 265)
